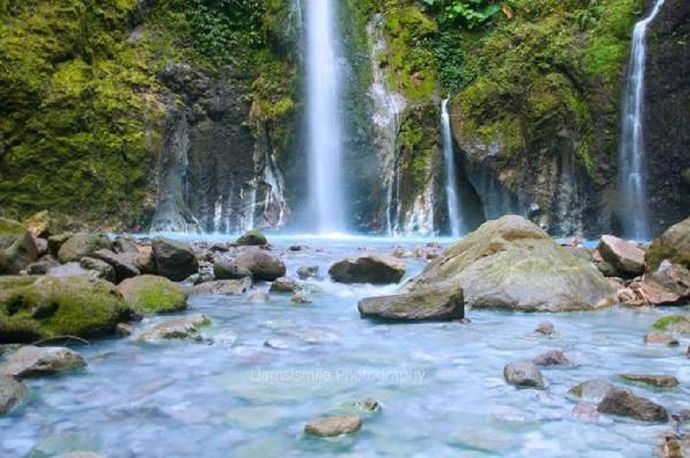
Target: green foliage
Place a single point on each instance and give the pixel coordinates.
(468, 13)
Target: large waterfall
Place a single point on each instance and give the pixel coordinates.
(451, 175)
(325, 148)
(632, 160)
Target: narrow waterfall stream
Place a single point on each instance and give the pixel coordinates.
(325, 147)
(632, 160)
(451, 175)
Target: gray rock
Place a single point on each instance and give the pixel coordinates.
(624, 403)
(263, 265)
(511, 264)
(105, 270)
(672, 245)
(56, 241)
(523, 374)
(30, 361)
(625, 257)
(307, 272)
(431, 305)
(124, 244)
(12, 393)
(368, 268)
(284, 285)
(668, 285)
(174, 260)
(592, 391)
(252, 237)
(183, 328)
(545, 328)
(551, 358)
(82, 244)
(72, 269)
(17, 247)
(222, 288)
(658, 381)
(661, 339)
(224, 270)
(125, 264)
(334, 426)
(299, 298)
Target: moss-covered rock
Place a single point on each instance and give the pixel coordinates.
(674, 245)
(38, 308)
(17, 247)
(149, 294)
(253, 237)
(81, 245)
(674, 323)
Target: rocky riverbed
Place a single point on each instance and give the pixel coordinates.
(251, 345)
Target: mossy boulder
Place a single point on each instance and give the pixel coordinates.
(46, 223)
(253, 237)
(149, 294)
(81, 245)
(17, 247)
(174, 260)
(511, 264)
(34, 308)
(679, 324)
(419, 306)
(674, 245)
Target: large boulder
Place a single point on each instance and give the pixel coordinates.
(674, 245)
(668, 285)
(104, 270)
(174, 260)
(149, 294)
(125, 264)
(253, 237)
(263, 265)
(626, 258)
(46, 223)
(624, 403)
(81, 245)
(17, 247)
(432, 305)
(12, 393)
(225, 270)
(368, 268)
(511, 264)
(34, 308)
(31, 361)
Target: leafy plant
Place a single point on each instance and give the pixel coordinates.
(469, 13)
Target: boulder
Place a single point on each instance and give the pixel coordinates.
(307, 272)
(34, 308)
(72, 269)
(524, 374)
(46, 223)
(368, 268)
(252, 238)
(551, 358)
(81, 245)
(145, 260)
(590, 391)
(149, 294)
(674, 446)
(12, 393)
(431, 305)
(31, 361)
(222, 288)
(658, 381)
(263, 265)
(175, 261)
(334, 426)
(224, 270)
(17, 247)
(511, 264)
(105, 271)
(125, 264)
(125, 244)
(625, 257)
(679, 324)
(183, 328)
(55, 242)
(673, 245)
(41, 267)
(668, 285)
(545, 328)
(284, 285)
(624, 403)
(41, 246)
(661, 339)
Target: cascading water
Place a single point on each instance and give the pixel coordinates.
(632, 159)
(451, 175)
(325, 148)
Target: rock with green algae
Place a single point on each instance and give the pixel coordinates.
(253, 237)
(511, 264)
(17, 247)
(34, 308)
(182, 328)
(672, 245)
(679, 324)
(427, 305)
(82, 244)
(150, 294)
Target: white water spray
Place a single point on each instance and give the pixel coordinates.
(451, 176)
(325, 148)
(632, 160)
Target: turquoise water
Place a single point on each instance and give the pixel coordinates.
(440, 385)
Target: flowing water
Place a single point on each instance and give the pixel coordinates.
(440, 384)
(324, 131)
(632, 160)
(451, 175)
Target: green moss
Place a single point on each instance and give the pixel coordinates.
(673, 323)
(149, 294)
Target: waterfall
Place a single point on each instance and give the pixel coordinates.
(632, 152)
(324, 131)
(451, 175)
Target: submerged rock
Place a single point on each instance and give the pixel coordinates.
(30, 361)
(183, 328)
(658, 381)
(624, 403)
(672, 245)
(334, 426)
(545, 328)
(674, 446)
(253, 237)
(17, 247)
(33, 308)
(263, 265)
(307, 272)
(523, 374)
(590, 390)
(12, 393)
(222, 287)
(662, 339)
(82, 244)
(365, 405)
(368, 268)
(510, 263)
(300, 298)
(551, 358)
(432, 305)
(148, 294)
(284, 285)
(175, 261)
(223, 270)
(625, 257)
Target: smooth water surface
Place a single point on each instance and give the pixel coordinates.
(440, 384)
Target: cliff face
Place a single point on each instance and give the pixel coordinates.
(667, 115)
